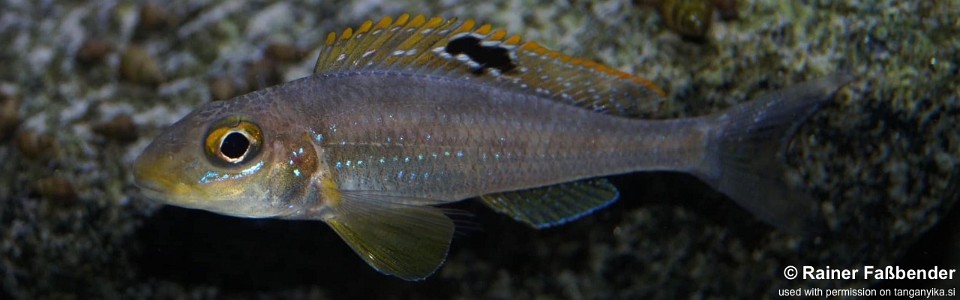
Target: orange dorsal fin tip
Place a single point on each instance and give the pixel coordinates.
(402, 19)
(466, 26)
(434, 22)
(383, 23)
(331, 38)
(365, 27)
(484, 30)
(534, 47)
(513, 40)
(497, 35)
(418, 21)
(458, 49)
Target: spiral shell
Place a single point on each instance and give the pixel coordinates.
(689, 18)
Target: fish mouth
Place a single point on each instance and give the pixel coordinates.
(152, 175)
(160, 193)
(163, 190)
(150, 192)
(152, 189)
(143, 183)
(158, 187)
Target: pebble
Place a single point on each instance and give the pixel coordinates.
(93, 51)
(9, 115)
(35, 146)
(121, 128)
(137, 66)
(56, 189)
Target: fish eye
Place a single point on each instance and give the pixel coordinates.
(234, 146)
(233, 141)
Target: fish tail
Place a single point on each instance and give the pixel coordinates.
(747, 162)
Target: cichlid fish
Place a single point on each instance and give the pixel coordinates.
(405, 114)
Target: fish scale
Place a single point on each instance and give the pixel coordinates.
(519, 126)
(408, 113)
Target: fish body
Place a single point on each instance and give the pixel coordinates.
(403, 115)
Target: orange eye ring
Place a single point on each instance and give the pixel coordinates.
(233, 141)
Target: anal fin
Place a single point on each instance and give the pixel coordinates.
(407, 241)
(556, 204)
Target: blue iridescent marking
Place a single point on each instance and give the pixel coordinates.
(212, 176)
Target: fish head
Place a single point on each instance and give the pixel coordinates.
(229, 157)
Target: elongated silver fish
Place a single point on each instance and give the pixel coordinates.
(409, 113)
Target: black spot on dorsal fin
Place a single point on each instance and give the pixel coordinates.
(485, 57)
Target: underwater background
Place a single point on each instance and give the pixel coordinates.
(86, 85)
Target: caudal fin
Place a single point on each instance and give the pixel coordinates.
(748, 145)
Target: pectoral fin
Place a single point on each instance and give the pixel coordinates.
(406, 241)
(556, 204)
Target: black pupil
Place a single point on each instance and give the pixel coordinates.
(234, 145)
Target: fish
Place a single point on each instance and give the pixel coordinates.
(402, 115)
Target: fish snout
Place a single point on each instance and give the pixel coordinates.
(155, 177)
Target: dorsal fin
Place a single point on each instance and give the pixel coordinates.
(460, 49)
